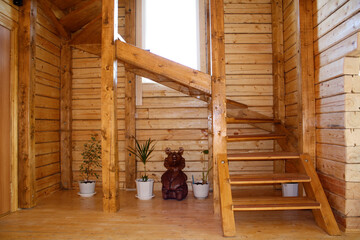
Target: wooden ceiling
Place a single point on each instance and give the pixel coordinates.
(78, 21)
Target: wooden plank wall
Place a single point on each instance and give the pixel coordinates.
(47, 106)
(86, 103)
(337, 86)
(9, 10)
(248, 50)
(290, 66)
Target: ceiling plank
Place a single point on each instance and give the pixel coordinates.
(81, 16)
(65, 4)
(55, 21)
(91, 33)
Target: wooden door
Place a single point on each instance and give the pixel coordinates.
(5, 194)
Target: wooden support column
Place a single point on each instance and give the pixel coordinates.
(130, 107)
(109, 155)
(278, 71)
(27, 20)
(218, 93)
(306, 88)
(66, 118)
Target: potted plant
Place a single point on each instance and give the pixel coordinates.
(144, 185)
(201, 188)
(91, 159)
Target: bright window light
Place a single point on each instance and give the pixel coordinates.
(170, 30)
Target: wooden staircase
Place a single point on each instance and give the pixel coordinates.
(198, 84)
(304, 173)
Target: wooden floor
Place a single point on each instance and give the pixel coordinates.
(65, 215)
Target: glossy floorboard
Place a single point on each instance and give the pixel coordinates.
(65, 215)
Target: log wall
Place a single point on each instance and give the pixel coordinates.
(86, 104)
(337, 86)
(249, 80)
(47, 106)
(291, 64)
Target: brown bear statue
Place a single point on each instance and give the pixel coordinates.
(174, 180)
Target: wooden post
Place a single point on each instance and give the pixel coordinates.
(109, 156)
(130, 107)
(218, 93)
(27, 20)
(306, 88)
(278, 71)
(66, 118)
(227, 214)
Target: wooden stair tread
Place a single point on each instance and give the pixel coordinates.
(274, 203)
(263, 156)
(254, 137)
(268, 178)
(251, 120)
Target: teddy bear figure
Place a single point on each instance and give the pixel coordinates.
(174, 180)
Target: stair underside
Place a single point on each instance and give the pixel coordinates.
(251, 120)
(260, 156)
(255, 137)
(274, 203)
(268, 178)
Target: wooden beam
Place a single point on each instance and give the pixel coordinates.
(218, 94)
(65, 116)
(109, 155)
(158, 65)
(27, 21)
(90, 34)
(90, 48)
(324, 216)
(278, 71)
(130, 107)
(306, 88)
(227, 214)
(81, 16)
(46, 7)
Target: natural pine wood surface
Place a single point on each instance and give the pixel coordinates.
(65, 215)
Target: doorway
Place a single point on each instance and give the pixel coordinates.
(5, 124)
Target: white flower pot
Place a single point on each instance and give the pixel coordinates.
(87, 189)
(201, 191)
(290, 189)
(144, 189)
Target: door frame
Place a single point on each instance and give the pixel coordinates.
(12, 26)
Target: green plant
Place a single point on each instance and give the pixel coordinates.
(143, 152)
(205, 173)
(91, 158)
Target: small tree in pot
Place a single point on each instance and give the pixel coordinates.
(201, 188)
(144, 185)
(91, 159)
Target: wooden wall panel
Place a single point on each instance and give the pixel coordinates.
(47, 106)
(337, 63)
(249, 80)
(291, 63)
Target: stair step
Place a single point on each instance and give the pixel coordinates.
(274, 203)
(263, 156)
(268, 178)
(255, 137)
(251, 120)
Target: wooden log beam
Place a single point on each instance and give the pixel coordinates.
(140, 58)
(109, 155)
(90, 48)
(27, 21)
(218, 94)
(47, 8)
(130, 107)
(81, 16)
(306, 88)
(65, 117)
